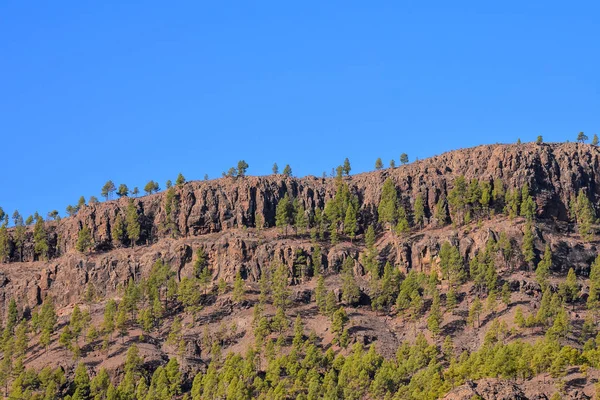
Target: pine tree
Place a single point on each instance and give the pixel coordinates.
(370, 257)
(5, 243)
(404, 158)
(118, 231)
(539, 139)
(419, 211)
(122, 320)
(512, 202)
(65, 338)
(21, 339)
(259, 220)
(84, 239)
(542, 271)
(188, 294)
(473, 195)
(133, 223)
(275, 169)
(242, 166)
(279, 286)
(582, 137)
(545, 311)
(123, 190)
(378, 164)
(338, 324)
(280, 321)
(475, 311)
(40, 239)
(350, 290)
(346, 167)
(287, 171)
(19, 233)
(451, 299)
(76, 322)
(486, 196)
(595, 140)
(570, 288)
(506, 294)
(174, 378)
(528, 207)
(151, 187)
(48, 321)
(585, 216)
(448, 348)
(388, 203)
(519, 318)
(456, 270)
(110, 312)
(491, 301)
(441, 212)
(498, 194)
(108, 189)
(71, 211)
(505, 247)
(434, 321)
(333, 235)
(593, 301)
(321, 294)
(298, 339)
(416, 305)
(284, 213)
(561, 325)
(12, 317)
(339, 173)
(386, 289)
(527, 248)
(201, 262)
(300, 221)
(180, 179)
(350, 222)
(457, 200)
(239, 290)
(331, 304)
(402, 227)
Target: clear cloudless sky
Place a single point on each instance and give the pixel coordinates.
(138, 90)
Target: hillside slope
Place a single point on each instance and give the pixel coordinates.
(218, 242)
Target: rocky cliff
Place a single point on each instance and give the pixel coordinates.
(554, 172)
(221, 216)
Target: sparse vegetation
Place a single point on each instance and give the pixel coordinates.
(311, 303)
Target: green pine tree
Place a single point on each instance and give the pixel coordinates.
(387, 209)
(284, 213)
(350, 222)
(419, 211)
(84, 240)
(133, 223)
(527, 247)
(239, 290)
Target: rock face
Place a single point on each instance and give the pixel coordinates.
(554, 172)
(221, 217)
(487, 389)
(501, 389)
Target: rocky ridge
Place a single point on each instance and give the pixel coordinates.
(221, 215)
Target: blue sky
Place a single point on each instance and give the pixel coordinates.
(133, 91)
